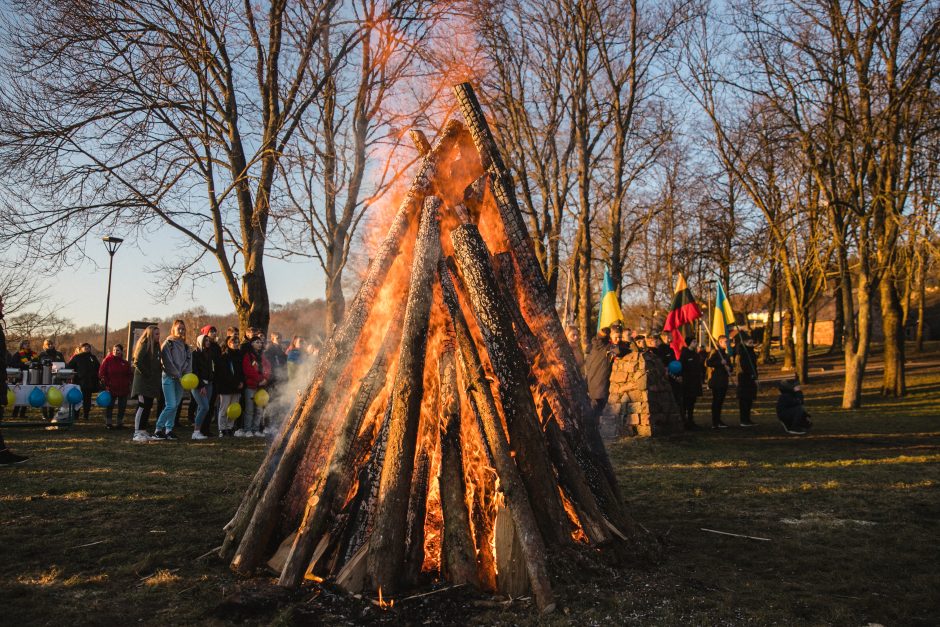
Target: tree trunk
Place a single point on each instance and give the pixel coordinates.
(511, 372)
(786, 340)
(513, 488)
(893, 382)
(838, 319)
(921, 301)
(856, 353)
(767, 340)
(459, 564)
(387, 544)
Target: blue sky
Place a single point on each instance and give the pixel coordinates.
(79, 291)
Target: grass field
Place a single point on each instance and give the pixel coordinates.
(96, 530)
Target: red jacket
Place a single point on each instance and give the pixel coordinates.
(256, 369)
(116, 375)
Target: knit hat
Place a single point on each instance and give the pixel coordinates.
(206, 329)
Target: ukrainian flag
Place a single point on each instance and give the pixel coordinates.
(610, 307)
(723, 317)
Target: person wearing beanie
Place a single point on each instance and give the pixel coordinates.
(791, 412)
(747, 378)
(606, 346)
(719, 380)
(204, 369)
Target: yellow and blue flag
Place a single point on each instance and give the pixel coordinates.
(610, 307)
(723, 316)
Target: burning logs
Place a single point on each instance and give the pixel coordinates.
(442, 434)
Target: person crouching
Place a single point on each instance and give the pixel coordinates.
(790, 409)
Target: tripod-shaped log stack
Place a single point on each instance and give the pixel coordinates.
(446, 429)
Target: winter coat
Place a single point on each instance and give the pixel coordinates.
(146, 373)
(86, 367)
(176, 358)
(229, 378)
(52, 355)
(720, 376)
(257, 368)
(790, 405)
(692, 373)
(665, 354)
(747, 372)
(203, 366)
(22, 359)
(599, 363)
(276, 356)
(116, 374)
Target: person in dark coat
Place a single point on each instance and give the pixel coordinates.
(7, 457)
(747, 378)
(204, 369)
(693, 371)
(215, 352)
(86, 367)
(606, 346)
(791, 411)
(49, 351)
(229, 383)
(116, 374)
(146, 385)
(719, 380)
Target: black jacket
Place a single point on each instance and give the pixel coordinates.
(203, 367)
(86, 367)
(747, 372)
(599, 363)
(228, 376)
(790, 405)
(717, 362)
(692, 373)
(52, 355)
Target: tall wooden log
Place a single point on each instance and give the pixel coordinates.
(253, 534)
(513, 488)
(457, 550)
(538, 306)
(574, 463)
(511, 372)
(418, 499)
(339, 471)
(387, 544)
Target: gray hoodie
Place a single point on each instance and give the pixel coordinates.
(176, 357)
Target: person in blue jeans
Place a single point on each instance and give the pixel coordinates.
(204, 369)
(176, 359)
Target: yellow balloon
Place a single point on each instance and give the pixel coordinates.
(189, 381)
(234, 411)
(54, 397)
(261, 398)
(11, 398)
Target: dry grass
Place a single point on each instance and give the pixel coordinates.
(96, 530)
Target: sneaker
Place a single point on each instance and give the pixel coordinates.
(170, 436)
(141, 436)
(719, 425)
(109, 427)
(241, 433)
(158, 435)
(793, 430)
(197, 435)
(9, 458)
(749, 423)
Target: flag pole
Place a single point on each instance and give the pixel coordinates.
(714, 343)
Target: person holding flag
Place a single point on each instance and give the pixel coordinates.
(682, 314)
(723, 320)
(606, 346)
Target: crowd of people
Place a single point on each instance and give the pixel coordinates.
(695, 368)
(229, 374)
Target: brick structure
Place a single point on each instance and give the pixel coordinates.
(641, 401)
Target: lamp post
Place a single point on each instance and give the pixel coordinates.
(112, 244)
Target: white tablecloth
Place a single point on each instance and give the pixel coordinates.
(22, 392)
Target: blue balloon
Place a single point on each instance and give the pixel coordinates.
(104, 398)
(37, 398)
(74, 397)
(675, 368)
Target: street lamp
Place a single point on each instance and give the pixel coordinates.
(112, 244)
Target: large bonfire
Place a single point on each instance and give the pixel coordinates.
(443, 433)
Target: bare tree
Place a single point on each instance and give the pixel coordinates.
(129, 114)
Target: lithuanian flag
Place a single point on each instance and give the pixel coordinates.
(723, 316)
(683, 312)
(610, 307)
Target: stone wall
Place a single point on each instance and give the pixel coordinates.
(641, 401)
